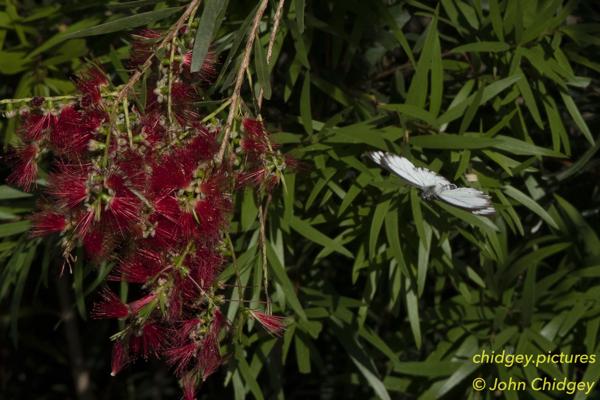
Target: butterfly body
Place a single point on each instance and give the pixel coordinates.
(433, 185)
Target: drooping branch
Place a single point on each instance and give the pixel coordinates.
(235, 97)
(275, 29)
(190, 10)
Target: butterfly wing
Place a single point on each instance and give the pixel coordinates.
(419, 177)
(468, 198)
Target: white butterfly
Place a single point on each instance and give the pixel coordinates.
(433, 185)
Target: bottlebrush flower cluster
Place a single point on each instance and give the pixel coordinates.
(137, 185)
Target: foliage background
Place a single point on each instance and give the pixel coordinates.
(388, 295)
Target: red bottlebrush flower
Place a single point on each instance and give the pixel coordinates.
(211, 219)
(137, 305)
(139, 267)
(45, 223)
(124, 211)
(149, 342)
(89, 84)
(109, 306)
(142, 46)
(68, 184)
(37, 125)
(152, 128)
(210, 358)
(167, 207)
(84, 222)
(25, 170)
(218, 322)
(253, 127)
(203, 146)
(116, 183)
(207, 71)
(133, 167)
(292, 163)
(205, 266)
(255, 140)
(97, 244)
(258, 177)
(70, 136)
(166, 176)
(175, 303)
(189, 384)
(273, 323)
(181, 356)
(187, 327)
(214, 185)
(166, 232)
(188, 225)
(120, 358)
(182, 95)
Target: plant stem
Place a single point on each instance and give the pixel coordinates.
(262, 216)
(235, 97)
(189, 11)
(276, 21)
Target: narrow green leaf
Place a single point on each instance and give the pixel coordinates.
(530, 102)
(376, 224)
(411, 111)
(496, 19)
(437, 78)
(480, 47)
(302, 354)
(577, 117)
(283, 279)
(305, 104)
(530, 204)
(299, 8)
(412, 307)
(262, 69)
(209, 23)
(14, 228)
(360, 358)
(125, 23)
(314, 235)
(417, 92)
(9, 193)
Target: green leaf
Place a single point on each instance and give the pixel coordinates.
(314, 235)
(437, 78)
(208, 25)
(496, 19)
(12, 62)
(14, 228)
(412, 307)
(411, 111)
(452, 142)
(305, 104)
(282, 278)
(417, 93)
(476, 47)
(360, 358)
(489, 92)
(9, 193)
(299, 8)
(376, 224)
(577, 117)
(528, 202)
(262, 69)
(125, 23)
(302, 354)
(530, 102)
